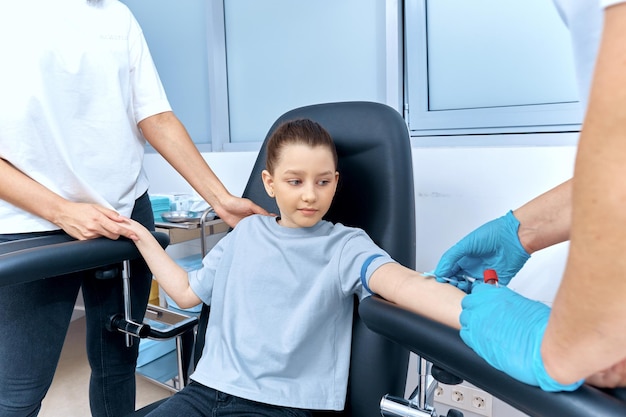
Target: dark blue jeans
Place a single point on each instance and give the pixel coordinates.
(34, 319)
(196, 400)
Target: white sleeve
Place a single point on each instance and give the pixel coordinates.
(360, 257)
(607, 3)
(202, 280)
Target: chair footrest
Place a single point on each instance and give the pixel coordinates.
(165, 324)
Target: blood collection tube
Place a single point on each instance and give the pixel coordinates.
(490, 276)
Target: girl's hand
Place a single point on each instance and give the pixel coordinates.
(131, 229)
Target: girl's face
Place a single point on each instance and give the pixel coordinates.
(304, 182)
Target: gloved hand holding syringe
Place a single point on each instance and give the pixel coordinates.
(494, 245)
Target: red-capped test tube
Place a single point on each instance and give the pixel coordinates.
(490, 276)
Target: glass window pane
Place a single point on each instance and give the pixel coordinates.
(488, 66)
(283, 54)
(493, 53)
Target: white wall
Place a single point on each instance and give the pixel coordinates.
(457, 189)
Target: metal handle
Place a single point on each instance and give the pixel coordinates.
(399, 407)
(130, 328)
(203, 247)
(127, 300)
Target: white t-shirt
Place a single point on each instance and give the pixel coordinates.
(607, 3)
(584, 19)
(75, 80)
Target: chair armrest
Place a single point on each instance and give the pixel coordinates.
(442, 345)
(49, 256)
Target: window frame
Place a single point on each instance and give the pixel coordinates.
(515, 120)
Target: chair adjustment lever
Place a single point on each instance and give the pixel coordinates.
(125, 324)
(444, 377)
(118, 323)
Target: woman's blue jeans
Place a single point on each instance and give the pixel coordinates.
(196, 400)
(34, 319)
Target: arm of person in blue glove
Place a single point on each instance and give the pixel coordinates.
(510, 342)
(546, 220)
(505, 244)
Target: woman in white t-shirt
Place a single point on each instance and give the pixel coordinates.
(79, 97)
(584, 335)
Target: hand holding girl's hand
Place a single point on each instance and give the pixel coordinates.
(85, 221)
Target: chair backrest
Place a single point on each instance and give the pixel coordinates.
(376, 194)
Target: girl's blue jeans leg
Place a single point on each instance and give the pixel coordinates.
(196, 400)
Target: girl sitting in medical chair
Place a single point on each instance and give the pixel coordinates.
(281, 292)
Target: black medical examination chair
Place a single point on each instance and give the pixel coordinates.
(375, 193)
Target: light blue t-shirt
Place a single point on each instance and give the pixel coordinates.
(281, 301)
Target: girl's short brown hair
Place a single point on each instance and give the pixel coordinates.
(299, 131)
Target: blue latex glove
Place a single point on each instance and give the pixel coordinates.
(494, 245)
(506, 329)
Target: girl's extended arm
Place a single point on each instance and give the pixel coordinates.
(170, 276)
(415, 292)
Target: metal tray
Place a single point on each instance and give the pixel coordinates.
(181, 216)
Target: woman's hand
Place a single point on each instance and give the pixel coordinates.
(233, 209)
(85, 221)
